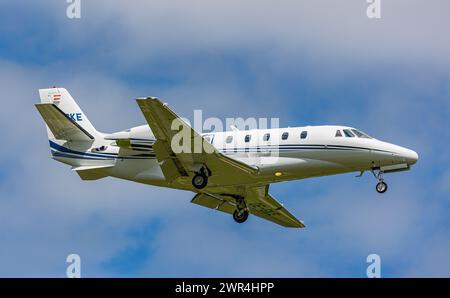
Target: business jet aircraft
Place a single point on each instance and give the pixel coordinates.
(232, 171)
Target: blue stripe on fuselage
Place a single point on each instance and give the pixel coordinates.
(62, 151)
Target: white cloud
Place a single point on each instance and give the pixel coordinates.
(325, 31)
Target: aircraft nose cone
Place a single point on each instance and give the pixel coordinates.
(410, 156)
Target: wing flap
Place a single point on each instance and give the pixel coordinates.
(258, 201)
(62, 127)
(214, 202)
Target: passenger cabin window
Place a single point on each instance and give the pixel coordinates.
(99, 149)
(247, 138)
(285, 135)
(360, 134)
(266, 137)
(304, 134)
(209, 138)
(338, 133)
(229, 139)
(348, 133)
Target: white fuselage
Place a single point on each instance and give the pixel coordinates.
(282, 156)
(229, 171)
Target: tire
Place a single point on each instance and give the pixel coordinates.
(199, 181)
(240, 217)
(381, 187)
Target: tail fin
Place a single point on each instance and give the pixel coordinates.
(64, 118)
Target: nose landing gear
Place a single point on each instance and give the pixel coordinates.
(381, 186)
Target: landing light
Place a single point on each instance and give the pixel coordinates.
(278, 174)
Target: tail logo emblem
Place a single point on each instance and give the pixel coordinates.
(56, 98)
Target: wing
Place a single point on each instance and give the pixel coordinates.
(263, 205)
(62, 127)
(259, 203)
(181, 151)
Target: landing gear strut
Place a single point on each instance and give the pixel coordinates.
(240, 215)
(381, 186)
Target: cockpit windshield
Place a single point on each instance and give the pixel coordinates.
(360, 134)
(348, 133)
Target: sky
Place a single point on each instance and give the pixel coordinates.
(305, 62)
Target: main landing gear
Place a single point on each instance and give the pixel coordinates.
(240, 215)
(200, 179)
(381, 186)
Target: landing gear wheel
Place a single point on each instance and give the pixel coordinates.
(240, 216)
(381, 187)
(200, 181)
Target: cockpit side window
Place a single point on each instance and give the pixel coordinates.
(360, 134)
(338, 133)
(348, 133)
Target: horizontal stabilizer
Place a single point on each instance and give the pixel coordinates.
(92, 172)
(62, 127)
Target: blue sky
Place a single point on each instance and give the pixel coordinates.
(306, 62)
